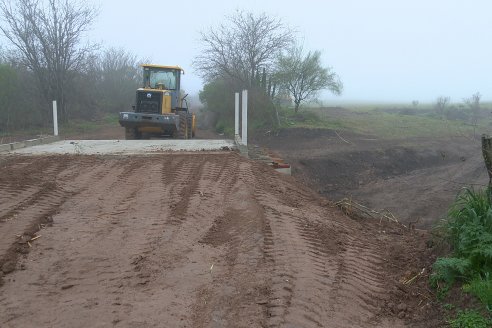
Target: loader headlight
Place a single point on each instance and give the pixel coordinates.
(125, 116)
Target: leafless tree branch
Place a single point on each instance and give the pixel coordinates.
(240, 48)
(48, 35)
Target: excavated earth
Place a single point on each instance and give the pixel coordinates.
(416, 179)
(205, 239)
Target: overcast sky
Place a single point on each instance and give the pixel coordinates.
(383, 50)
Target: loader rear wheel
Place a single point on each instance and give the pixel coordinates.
(131, 133)
(183, 125)
(189, 121)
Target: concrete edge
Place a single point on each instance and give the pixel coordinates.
(28, 143)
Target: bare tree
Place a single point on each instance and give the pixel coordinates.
(441, 104)
(240, 48)
(303, 76)
(474, 104)
(120, 76)
(48, 35)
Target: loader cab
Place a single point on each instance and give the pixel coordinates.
(161, 91)
(162, 77)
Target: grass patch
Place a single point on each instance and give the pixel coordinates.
(481, 287)
(468, 230)
(386, 122)
(85, 126)
(469, 319)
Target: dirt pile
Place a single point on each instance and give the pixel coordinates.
(195, 240)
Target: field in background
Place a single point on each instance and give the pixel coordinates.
(386, 121)
(391, 121)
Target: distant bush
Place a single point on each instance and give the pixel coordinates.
(457, 112)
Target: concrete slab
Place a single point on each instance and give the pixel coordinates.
(18, 145)
(5, 147)
(125, 147)
(28, 143)
(33, 142)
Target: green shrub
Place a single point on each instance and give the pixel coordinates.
(468, 228)
(469, 319)
(447, 270)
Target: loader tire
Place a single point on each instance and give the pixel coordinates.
(189, 121)
(130, 134)
(183, 125)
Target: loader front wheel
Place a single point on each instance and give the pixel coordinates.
(183, 125)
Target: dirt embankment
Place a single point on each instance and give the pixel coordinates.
(195, 240)
(415, 179)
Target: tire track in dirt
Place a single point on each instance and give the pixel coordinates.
(299, 264)
(192, 240)
(26, 181)
(98, 216)
(140, 253)
(240, 279)
(178, 250)
(312, 250)
(24, 217)
(189, 173)
(359, 287)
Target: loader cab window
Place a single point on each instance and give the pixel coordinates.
(160, 78)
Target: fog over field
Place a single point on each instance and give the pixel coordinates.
(383, 50)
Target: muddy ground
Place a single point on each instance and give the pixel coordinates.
(214, 240)
(415, 179)
(196, 240)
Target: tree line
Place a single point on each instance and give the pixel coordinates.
(47, 57)
(262, 54)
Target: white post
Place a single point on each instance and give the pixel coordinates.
(55, 119)
(244, 129)
(236, 115)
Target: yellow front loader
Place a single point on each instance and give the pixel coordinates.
(160, 109)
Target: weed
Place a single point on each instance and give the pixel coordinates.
(468, 228)
(481, 287)
(446, 271)
(448, 307)
(469, 319)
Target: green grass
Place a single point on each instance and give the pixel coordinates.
(84, 126)
(72, 127)
(481, 287)
(469, 319)
(381, 122)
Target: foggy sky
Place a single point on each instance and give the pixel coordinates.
(383, 50)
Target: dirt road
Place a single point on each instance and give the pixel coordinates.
(190, 240)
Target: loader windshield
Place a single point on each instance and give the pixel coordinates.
(160, 78)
